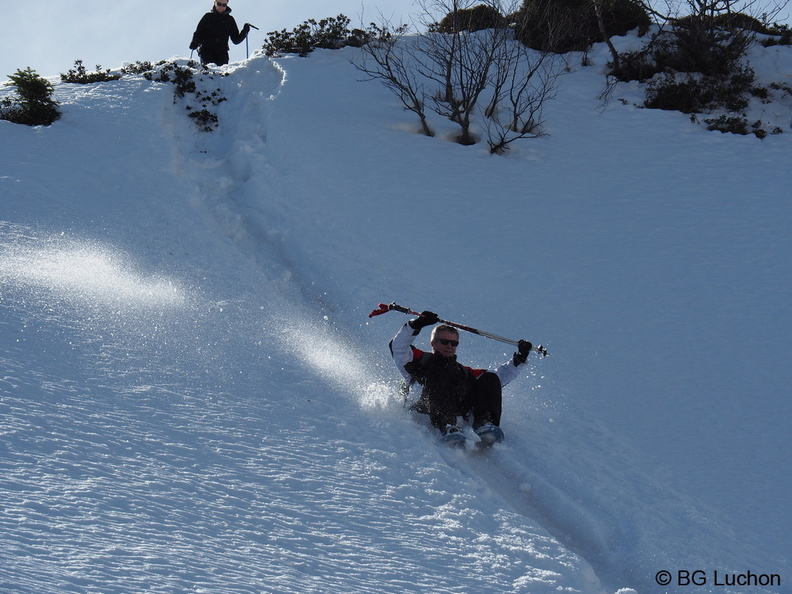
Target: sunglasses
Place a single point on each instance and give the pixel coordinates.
(446, 342)
(221, 3)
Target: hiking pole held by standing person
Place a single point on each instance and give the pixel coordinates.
(247, 49)
(385, 308)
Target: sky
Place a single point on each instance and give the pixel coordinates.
(49, 36)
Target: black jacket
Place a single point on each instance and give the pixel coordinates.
(212, 35)
(443, 380)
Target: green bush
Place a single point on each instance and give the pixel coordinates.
(784, 88)
(688, 95)
(779, 35)
(329, 33)
(734, 21)
(731, 124)
(139, 67)
(638, 66)
(701, 93)
(181, 77)
(79, 75)
(478, 18)
(32, 104)
(697, 44)
(204, 119)
(571, 25)
(186, 88)
(713, 45)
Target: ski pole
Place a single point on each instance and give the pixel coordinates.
(247, 49)
(385, 308)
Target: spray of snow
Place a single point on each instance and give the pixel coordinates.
(84, 272)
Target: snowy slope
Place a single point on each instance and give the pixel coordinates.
(193, 397)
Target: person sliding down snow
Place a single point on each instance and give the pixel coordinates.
(449, 389)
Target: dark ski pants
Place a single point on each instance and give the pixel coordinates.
(218, 56)
(487, 400)
(483, 402)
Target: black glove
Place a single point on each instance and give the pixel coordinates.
(523, 350)
(246, 29)
(427, 318)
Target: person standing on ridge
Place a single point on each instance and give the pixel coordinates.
(213, 32)
(449, 389)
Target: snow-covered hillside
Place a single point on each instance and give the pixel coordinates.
(193, 398)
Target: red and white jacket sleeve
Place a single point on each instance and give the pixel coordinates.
(402, 349)
(508, 371)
